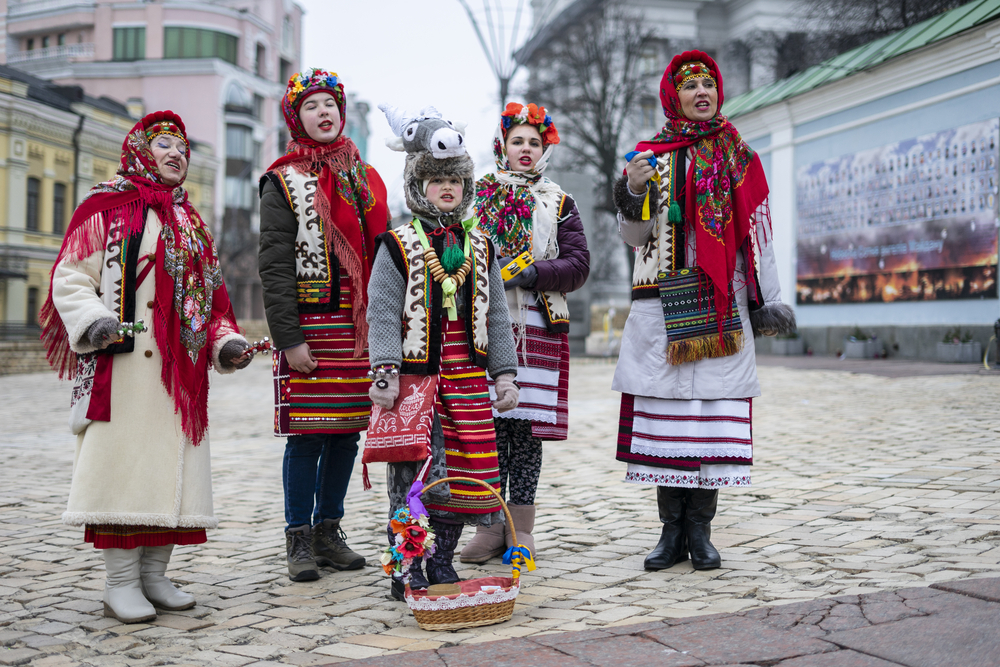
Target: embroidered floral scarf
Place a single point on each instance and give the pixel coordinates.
(505, 200)
(188, 279)
(350, 199)
(726, 179)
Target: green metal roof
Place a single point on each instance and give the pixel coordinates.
(869, 55)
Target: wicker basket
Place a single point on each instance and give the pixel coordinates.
(472, 607)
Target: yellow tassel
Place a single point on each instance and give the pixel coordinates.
(645, 202)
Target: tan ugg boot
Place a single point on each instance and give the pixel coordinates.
(524, 523)
(487, 543)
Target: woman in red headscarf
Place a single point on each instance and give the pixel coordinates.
(137, 312)
(693, 202)
(321, 207)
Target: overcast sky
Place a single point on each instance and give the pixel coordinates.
(409, 54)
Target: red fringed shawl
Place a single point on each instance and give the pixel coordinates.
(726, 180)
(190, 294)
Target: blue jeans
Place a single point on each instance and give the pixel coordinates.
(315, 473)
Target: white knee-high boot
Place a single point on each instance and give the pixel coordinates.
(155, 586)
(123, 597)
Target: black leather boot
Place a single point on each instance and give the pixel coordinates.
(698, 517)
(672, 547)
(439, 566)
(417, 578)
(396, 587)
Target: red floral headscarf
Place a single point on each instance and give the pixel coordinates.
(725, 185)
(350, 199)
(190, 295)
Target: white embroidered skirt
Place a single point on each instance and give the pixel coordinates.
(686, 443)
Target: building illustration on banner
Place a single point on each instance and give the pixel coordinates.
(909, 221)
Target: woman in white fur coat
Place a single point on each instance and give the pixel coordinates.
(136, 249)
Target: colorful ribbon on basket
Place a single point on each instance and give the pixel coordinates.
(519, 557)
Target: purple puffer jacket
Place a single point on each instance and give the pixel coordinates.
(567, 272)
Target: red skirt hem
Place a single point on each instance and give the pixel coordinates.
(130, 537)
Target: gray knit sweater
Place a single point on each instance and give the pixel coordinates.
(386, 293)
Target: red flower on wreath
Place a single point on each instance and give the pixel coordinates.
(550, 135)
(415, 534)
(513, 108)
(536, 114)
(410, 549)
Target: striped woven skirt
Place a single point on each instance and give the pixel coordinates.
(463, 407)
(543, 375)
(687, 443)
(334, 397)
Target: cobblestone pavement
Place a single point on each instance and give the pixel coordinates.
(861, 483)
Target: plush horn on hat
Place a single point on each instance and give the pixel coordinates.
(398, 120)
(429, 112)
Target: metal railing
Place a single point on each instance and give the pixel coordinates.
(65, 52)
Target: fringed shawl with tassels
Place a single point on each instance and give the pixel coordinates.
(188, 286)
(726, 188)
(350, 199)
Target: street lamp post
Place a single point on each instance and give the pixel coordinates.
(499, 49)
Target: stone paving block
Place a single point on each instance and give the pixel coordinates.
(55, 661)
(837, 659)
(17, 656)
(258, 651)
(379, 641)
(184, 623)
(422, 659)
(310, 659)
(628, 651)
(734, 640)
(543, 657)
(349, 651)
(984, 589)
(929, 641)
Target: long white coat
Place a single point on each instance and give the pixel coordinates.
(642, 366)
(139, 468)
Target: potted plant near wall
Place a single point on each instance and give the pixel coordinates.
(860, 345)
(789, 344)
(958, 347)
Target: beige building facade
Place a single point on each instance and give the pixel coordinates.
(55, 144)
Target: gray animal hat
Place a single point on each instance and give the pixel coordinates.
(434, 147)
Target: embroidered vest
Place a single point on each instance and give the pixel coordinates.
(422, 309)
(317, 271)
(665, 249)
(553, 305)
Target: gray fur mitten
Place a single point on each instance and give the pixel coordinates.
(103, 332)
(507, 393)
(232, 351)
(385, 398)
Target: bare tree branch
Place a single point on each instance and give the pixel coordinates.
(590, 77)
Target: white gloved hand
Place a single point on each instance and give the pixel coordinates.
(507, 393)
(385, 397)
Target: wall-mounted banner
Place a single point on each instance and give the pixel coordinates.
(911, 221)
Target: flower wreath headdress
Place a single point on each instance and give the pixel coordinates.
(534, 115)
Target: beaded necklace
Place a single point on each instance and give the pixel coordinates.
(448, 272)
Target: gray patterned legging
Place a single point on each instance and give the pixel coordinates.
(520, 458)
